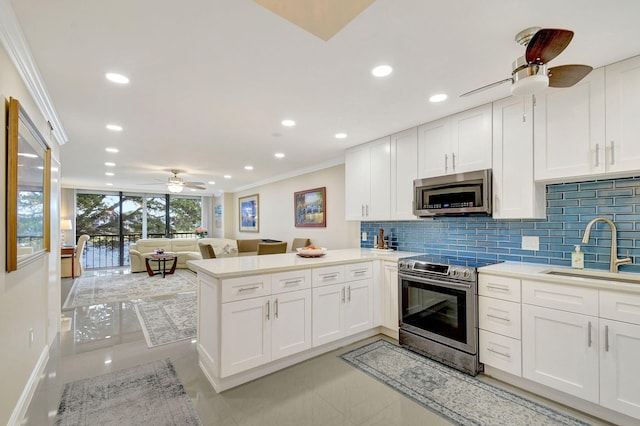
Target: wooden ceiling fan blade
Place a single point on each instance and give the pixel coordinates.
(546, 44)
(488, 86)
(567, 75)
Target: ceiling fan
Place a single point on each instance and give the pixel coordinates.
(176, 184)
(530, 73)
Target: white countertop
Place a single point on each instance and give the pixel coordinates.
(599, 279)
(227, 267)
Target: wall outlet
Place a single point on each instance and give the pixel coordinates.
(530, 243)
(364, 236)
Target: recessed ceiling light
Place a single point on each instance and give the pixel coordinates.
(227, 176)
(341, 135)
(114, 127)
(109, 174)
(382, 71)
(288, 123)
(248, 167)
(117, 78)
(279, 155)
(109, 184)
(112, 150)
(211, 182)
(438, 97)
(110, 164)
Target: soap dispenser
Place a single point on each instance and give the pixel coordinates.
(577, 258)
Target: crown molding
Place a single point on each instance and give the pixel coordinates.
(18, 50)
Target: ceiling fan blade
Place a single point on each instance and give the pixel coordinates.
(488, 86)
(546, 44)
(567, 75)
(192, 185)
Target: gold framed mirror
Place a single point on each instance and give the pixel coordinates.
(28, 189)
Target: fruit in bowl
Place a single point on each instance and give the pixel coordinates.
(311, 250)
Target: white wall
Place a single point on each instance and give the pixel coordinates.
(26, 295)
(276, 211)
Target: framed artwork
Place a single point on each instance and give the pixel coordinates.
(249, 212)
(27, 191)
(310, 207)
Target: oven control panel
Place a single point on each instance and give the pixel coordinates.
(455, 272)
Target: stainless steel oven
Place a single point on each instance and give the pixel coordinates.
(439, 310)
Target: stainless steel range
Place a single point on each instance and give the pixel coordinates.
(439, 309)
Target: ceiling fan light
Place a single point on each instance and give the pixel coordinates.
(175, 188)
(529, 85)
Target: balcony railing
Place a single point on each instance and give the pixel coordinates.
(103, 251)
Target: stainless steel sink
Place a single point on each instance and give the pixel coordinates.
(596, 275)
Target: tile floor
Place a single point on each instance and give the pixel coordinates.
(321, 391)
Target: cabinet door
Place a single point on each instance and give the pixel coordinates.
(515, 194)
(357, 182)
(560, 350)
(378, 207)
(569, 130)
(623, 126)
(290, 323)
(358, 306)
(404, 170)
(471, 140)
(328, 320)
(619, 371)
(434, 141)
(246, 335)
(389, 299)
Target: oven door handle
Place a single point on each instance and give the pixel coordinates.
(434, 282)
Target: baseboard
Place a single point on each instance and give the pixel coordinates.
(29, 390)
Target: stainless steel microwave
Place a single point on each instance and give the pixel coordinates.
(460, 194)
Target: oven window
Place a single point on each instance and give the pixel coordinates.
(436, 309)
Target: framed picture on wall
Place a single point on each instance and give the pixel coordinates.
(310, 207)
(249, 212)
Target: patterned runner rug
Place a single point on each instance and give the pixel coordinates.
(93, 290)
(460, 398)
(168, 320)
(149, 394)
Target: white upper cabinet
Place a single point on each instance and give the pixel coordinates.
(404, 169)
(456, 144)
(623, 125)
(515, 194)
(368, 181)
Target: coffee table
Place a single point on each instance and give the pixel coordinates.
(162, 264)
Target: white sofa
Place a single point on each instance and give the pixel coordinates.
(184, 248)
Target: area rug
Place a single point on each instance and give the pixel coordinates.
(460, 398)
(168, 319)
(93, 290)
(149, 394)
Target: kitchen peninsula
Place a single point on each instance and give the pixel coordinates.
(259, 314)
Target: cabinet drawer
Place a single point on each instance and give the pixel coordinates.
(327, 276)
(563, 297)
(358, 271)
(499, 316)
(246, 287)
(505, 288)
(620, 306)
(290, 281)
(501, 352)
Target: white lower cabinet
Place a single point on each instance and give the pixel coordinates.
(389, 296)
(264, 329)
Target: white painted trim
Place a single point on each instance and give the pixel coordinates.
(21, 407)
(18, 50)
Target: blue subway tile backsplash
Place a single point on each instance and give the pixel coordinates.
(570, 206)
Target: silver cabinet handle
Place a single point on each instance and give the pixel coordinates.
(613, 152)
(349, 294)
(329, 276)
(499, 353)
(292, 282)
(499, 317)
(362, 208)
(597, 155)
(248, 288)
(360, 272)
(366, 209)
(498, 287)
(275, 309)
(589, 340)
(606, 338)
(342, 294)
(268, 309)
(446, 161)
(453, 161)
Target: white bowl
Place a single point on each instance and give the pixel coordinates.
(311, 252)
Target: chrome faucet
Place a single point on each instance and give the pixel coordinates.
(615, 262)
